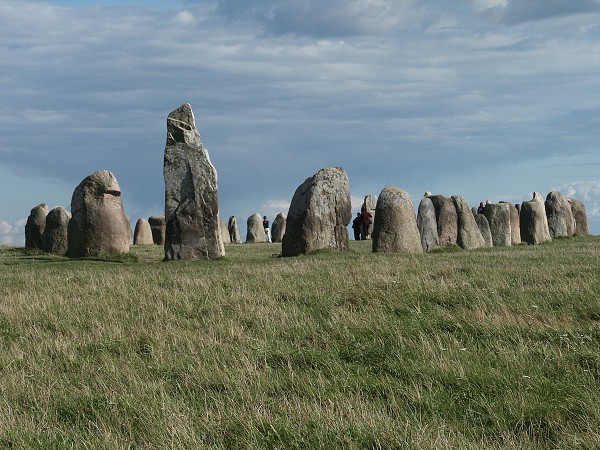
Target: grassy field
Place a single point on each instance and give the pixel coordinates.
(493, 348)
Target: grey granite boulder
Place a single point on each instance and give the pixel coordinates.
(515, 224)
(56, 231)
(158, 228)
(34, 228)
(234, 230)
(560, 217)
(395, 229)
(142, 235)
(255, 231)
(98, 223)
(191, 199)
(369, 204)
(468, 237)
(498, 216)
(582, 227)
(427, 225)
(278, 228)
(446, 218)
(484, 227)
(319, 214)
(533, 221)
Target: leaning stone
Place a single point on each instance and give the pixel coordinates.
(55, 232)
(142, 235)
(319, 214)
(498, 216)
(34, 228)
(225, 232)
(427, 225)
(191, 200)
(158, 227)
(278, 228)
(234, 231)
(559, 214)
(582, 227)
(468, 237)
(484, 227)
(98, 223)
(533, 220)
(395, 229)
(447, 220)
(255, 231)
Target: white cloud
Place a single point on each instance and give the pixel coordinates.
(12, 233)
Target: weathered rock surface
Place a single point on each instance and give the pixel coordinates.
(515, 224)
(255, 231)
(534, 223)
(427, 225)
(395, 229)
(191, 200)
(446, 218)
(158, 227)
(225, 232)
(34, 228)
(319, 214)
(468, 236)
(98, 223)
(278, 228)
(484, 227)
(582, 227)
(234, 231)
(498, 216)
(56, 231)
(142, 235)
(559, 214)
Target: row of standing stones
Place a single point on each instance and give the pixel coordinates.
(318, 216)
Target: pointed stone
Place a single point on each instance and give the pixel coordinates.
(191, 200)
(142, 235)
(468, 237)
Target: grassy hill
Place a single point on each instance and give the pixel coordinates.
(493, 348)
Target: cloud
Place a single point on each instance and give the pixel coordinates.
(12, 233)
(513, 12)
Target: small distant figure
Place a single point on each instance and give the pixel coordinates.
(427, 194)
(356, 227)
(487, 202)
(481, 208)
(367, 220)
(266, 227)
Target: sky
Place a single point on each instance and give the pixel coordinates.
(487, 99)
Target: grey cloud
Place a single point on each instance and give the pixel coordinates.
(521, 11)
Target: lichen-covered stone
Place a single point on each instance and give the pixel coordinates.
(498, 216)
(533, 221)
(56, 231)
(34, 228)
(560, 217)
(468, 237)
(427, 225)
(582, 227)
(446, 218)
(278, 228)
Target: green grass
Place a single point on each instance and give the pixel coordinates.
(492, 348)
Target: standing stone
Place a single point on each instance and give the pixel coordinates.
(158, 228)
(581, 221)
(559, 214)
(534, 223)
(278, 228)
(255, 231)
(427, 225)
(468, 236)
(142, 235)
(395, 229)
(224, 232)
(98, 223)
(55, 232)
(191, 200)
(484, 227)
(34, 228)
(447, 220)
(234, 231)
(370, 205)
(498, 216)
(319, 214)
(515, 225)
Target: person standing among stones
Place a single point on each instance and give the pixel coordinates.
(366, 220)
(266, 227)
(481, 208)
(356, 227)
